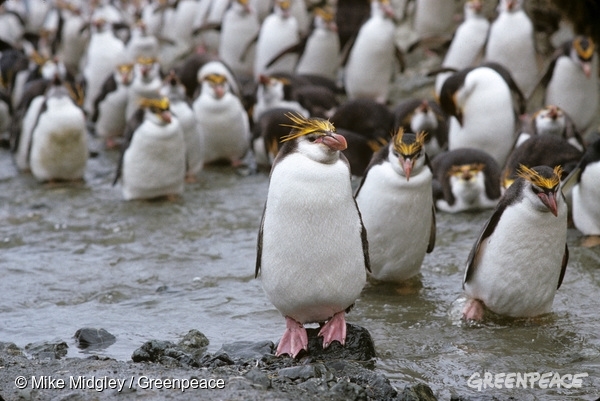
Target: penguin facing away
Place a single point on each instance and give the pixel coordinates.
(312, 251)
(397, 186)
(465, 179)
(152, 162)
(519, 260)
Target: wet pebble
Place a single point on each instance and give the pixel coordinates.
(54, 349)
(89, 337)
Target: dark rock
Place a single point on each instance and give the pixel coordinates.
(349, 391)
(359, 345)
(417, 392)
(247, 349)
(377, 386)
(164, 352)
(303, 372)
(47, 349)
(93, 338)
(258, 377)
(194, 343)
(10, 348)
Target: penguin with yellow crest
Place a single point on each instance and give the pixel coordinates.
(396, 203)
(519, 260)
(312, 251)
(152, 162)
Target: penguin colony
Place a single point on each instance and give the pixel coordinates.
(304, 90)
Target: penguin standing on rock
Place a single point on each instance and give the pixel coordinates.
(519, 260)
(152, 163)
(312, 247)
(396, 204)
(465, 179)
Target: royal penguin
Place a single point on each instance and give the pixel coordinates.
(396, 204)
(271, 93)
(370, 66)
(57, 146)
(551, 120)
(544, 149)
(511, 43)
(104, 52)
(152, 163)
(109, 112)
(479, 103)
(278, 31)
(181, 107)
(519, 260)
(416, 115)
(433, 17)
(571, 81)
(585, 195)
(222, 120)
(240, 25)
(468, 42)
(146, 82)
(312, 253)
(465, 180)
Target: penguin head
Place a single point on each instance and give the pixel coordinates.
(510, 6)
(172, 87)
(383, 8)
(582, 52)
(407, 153)
(271, 89)
(325, 18)
(315, 138)
(550, 120)
(542, 186)
(473, 8)
(147, 68)
(423, 119)
(124, 73)
(157, 109)
(243, 6)
(216, 85)
(283, 8)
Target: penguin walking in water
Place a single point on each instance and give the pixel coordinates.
(222, 120)
(519, 260)
(55, 145)
(465, 179)
(511, 43)
(109, 115)
(479, 101)
(398, 183)
(370, 66)
(586, 193)
(312, 251)
(571, 81)
(152, 162)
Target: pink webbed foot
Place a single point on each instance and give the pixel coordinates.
(294, 339)
(334, 330)
(473, 310)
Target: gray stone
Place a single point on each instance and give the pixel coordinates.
(89, 337)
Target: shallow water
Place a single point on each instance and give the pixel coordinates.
(76, 256)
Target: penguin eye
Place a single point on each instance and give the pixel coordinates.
(536, 190)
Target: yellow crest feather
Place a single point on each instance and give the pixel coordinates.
(145, 60)
(217, 79)
(584, 47)
(303, 126)
(326, 13)
(408, 148)
(536, 179)
(161, 104)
